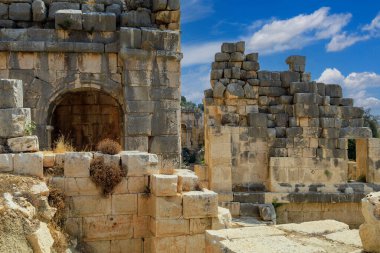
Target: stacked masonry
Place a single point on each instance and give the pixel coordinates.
(147, 212)
(99, 15)
(15, 120)
(275, 130)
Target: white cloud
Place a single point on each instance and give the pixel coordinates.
(374, 26)
(344, 40)
(200, 54)
(193, 10)
(297, 32)
(276, 35)
(355, 85)
(194, 81)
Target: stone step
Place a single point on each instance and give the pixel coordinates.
(250, 197)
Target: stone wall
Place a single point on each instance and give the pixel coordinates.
(258, 123)
(133, 56)
(147, 212)
(192, 129)
(90, 15)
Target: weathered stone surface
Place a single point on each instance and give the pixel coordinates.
(370, 230)
(39, 10)
(139, 18)
(6, 162)
(139, 163)
(234, 90)
(164, 185)
(29, 164)
(187, 180)
(224, 219)
(169, 227)
(86, 8)
(68, 19)
(56, 6)
(200, 204)
(315, 227)
(167, 17)
(11, 93)
(130, 37)
(41, 239)
(219, 90)
(13, 122)
(103, 22)
(77, 164)
(296, 63)
(3, 11)
(20, 11)
(23, 144)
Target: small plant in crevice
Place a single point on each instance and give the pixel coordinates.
(109, 147)
(66, 24)
(56, 199)
(30, 128)
(328, 174)
(106, 176)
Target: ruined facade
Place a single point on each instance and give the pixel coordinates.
(192, 129)
(110, 69)
(279, 132)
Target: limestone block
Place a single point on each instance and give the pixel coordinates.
(234, 90)
(130, 37)
(29, 164)
(296, 63)
(169, 227)
(164, 185)
(77, 164)
(228, 47)
(175, 244)
(80, 186)
(141, 226)
(305, 98)
(41, 239)
(49, 160)
(173, 5)
(187, 180)
(98, 246)
(200, 225)
(102, 22)
(200, 204)
(138, 164)
(224, 219)
(3, 11)
(13, 122)
(222, 57)
(160, 40)
(11, 93)
(251, 92)
(137, 18)
(139, 124)
(272, 91)
(56, 6)
(195, 243)
(167, 207)
(133, 245)
(23, 144)
(108, 227)
(353, 133)
(234, 208)
(87, 8)
(114, 160)
(267, 212)
(257, 119)
(159, 5)
(20, 12)
(82, 206)
(124, 204)
(114, 8)
(238, 57)
(6, 162)
(288, 77)
(165, 144)
(370, 230)
(145, 204)
(166, 17)
(251, 65)
(39, 10)
(333, 91)
(68, 19)
(219, 90)
(137, 184)
(201, 172)
(303, 87)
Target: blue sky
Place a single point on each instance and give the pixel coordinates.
(340, 38)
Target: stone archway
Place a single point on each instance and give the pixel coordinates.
(86, 117)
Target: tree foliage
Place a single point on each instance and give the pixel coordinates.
(189, 105)
(371, 122)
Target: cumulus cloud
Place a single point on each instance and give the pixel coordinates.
(344, 40)
(355, 85)
(193, 10)
(194, 81)
(374, 26)
(297, 32)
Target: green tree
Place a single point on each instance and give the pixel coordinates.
(371, 122)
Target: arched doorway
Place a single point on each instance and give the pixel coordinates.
(86, 117)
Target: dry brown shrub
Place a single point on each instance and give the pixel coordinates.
(108, 146)
(62, 145)
(57, 199)
(107, 176)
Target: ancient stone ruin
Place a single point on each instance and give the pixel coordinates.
(97, 69)
(278, 137)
